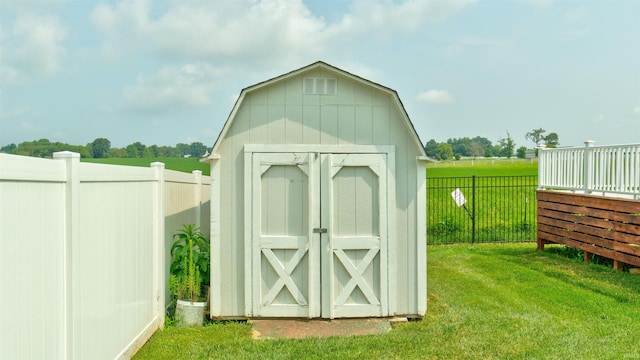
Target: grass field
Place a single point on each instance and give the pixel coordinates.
(171, 163)
(483, 167)
(488, 301)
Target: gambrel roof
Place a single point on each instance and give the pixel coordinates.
(315, 66)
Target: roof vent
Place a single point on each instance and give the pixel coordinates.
(319, 86)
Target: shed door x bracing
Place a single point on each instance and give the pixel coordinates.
(318, 224)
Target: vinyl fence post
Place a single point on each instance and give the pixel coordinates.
(198, 197)
(71, 219)
(542, 170)
(159, 244)
(588, 168)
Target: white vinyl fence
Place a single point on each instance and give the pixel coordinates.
(83, 253)
(613, 169)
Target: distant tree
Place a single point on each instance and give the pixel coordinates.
(486, 143)
(197, 149)
(168, 151)
(183, 149)
(460, 146)
(45, 148)
(536, 135)
(551, 140)
(431, 148)
(476, 149)
(521, 153)
(132, 151)
(488, 152)
(8, 148)
(444, 151)
(507, 146)
(117, 153)
(137, 150)
(100, 148)
(495, 150)
(154, 150)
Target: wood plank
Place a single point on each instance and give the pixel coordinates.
(627, 218)
(633, 231)
(627, 248)
(604, 224)
(283, 242)
(627, 259)
(584, 238)
(568, 208)
(579, 245)
(597, 213)
(593, 201)
(603, 233)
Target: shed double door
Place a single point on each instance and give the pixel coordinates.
(319, 235)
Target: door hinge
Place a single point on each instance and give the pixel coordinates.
(320, 230)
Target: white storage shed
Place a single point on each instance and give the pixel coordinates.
(318, 201)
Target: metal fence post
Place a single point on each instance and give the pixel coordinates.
(588, 169)
(473, 209)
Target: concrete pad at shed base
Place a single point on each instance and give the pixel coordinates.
(298, 328)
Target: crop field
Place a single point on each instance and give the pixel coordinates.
(500, 201)
(170, 163)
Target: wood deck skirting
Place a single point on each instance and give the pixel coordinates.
(608, 227)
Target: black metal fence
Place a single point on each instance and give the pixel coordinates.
(497, 208)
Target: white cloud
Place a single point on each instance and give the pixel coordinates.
(636, 111)
(209, 30)
(249, 35)
(32, 48)
(440, 97)
(171, 88)
(263, 30)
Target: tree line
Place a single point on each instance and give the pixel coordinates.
(101, 148)
(456, 148)
(453, 148)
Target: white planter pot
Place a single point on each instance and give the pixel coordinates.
(190, 313)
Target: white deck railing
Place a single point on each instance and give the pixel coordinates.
(613, 169)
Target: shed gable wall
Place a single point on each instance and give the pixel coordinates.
(280, 113)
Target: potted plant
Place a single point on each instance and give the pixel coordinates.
(189, 267)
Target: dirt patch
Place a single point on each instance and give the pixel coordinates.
(296, 328)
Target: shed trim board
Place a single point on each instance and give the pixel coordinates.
(421, 233)
(325, 254)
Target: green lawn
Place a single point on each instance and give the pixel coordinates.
(171, 163)
(488, 301)
(483, 167)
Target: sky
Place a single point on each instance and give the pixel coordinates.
(166, 72)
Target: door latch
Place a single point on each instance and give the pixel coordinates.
(319, 230)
